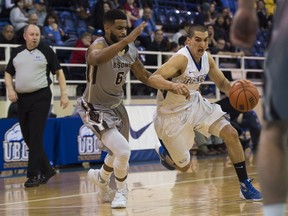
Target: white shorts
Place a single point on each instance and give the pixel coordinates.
(177, 130)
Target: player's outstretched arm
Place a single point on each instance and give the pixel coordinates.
(140, 72)
(98, 53)
(244, 25)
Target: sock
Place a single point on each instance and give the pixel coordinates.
(278, 209)
(120, 184)
(105, 175)
(241, 171)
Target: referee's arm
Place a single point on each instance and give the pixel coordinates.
(64, 101)
(12, 95)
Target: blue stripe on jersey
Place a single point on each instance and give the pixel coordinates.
(199, 66)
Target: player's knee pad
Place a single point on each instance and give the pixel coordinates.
(165, 159)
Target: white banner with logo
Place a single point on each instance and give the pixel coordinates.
(142, 132)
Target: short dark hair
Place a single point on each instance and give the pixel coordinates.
(195, 28)
(181, 40)
(112, 15)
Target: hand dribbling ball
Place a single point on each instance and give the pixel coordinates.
(243, 95)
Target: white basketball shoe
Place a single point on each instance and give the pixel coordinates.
(105, 192)
(120, 199)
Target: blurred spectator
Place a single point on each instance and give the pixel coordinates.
(40, 10)
(7, 37)
(18, 15)
(171, 47)
(100, 8)
(212, 43)
(28, 4)
(222, 49)
(212, 13)
(82, 9)
(182, 41)
(132, 11)
(263, 17)
(78, 57)
(184, 27)
(149, 30)
(53, 33)
(32, 19)
(227, 15)
(202, 17)
(221, 28)
(158, 44)
(96, 34)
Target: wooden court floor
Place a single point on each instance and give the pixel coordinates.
(209, 188)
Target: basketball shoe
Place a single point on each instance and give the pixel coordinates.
(105, 192)
(120, 199)
(248, 192)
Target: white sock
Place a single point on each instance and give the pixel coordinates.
(120, 185)
(278, 209)
(104, 174)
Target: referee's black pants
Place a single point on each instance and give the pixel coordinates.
(33, 109)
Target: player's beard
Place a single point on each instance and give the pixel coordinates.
(114, 38)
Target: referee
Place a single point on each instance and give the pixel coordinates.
(31, 64)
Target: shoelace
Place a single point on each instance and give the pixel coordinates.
(250, 186)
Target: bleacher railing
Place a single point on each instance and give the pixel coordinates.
(237, 73)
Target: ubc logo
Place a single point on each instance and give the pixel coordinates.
(88, 143)
(15, 148)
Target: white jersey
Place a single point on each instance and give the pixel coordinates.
(177, 118)
(193, 76)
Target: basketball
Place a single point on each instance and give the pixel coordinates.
(243, 95)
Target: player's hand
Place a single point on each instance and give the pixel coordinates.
(181, 89)
(12, 95)
(64, 101)
(244, 28)
(136, 32)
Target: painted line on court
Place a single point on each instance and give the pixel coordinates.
(146, 186)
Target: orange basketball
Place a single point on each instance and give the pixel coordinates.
(243, 95)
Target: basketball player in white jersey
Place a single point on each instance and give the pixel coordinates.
(109, 59)
(272, 159)
(177, 116)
